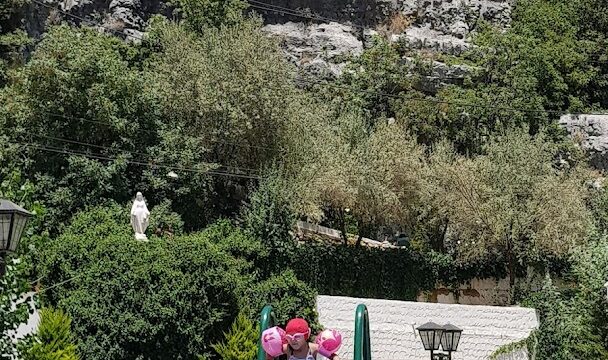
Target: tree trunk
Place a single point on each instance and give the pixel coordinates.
(511, 269)
(360, 229)
(359, 239)
(343, 227)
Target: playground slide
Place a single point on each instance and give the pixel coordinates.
(362, 341)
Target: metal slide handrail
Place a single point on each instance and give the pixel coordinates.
(362, 342)
(266, 321)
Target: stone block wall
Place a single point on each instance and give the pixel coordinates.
(489, 291)
(393, 324)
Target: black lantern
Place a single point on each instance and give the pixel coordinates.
(430, 333)
(433, 335)
(450, 337)
(12, 222)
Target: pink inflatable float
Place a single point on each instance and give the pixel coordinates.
(272, 341)
(329, 342)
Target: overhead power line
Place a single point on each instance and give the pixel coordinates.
(107, 124)
(123, 151)
(140, 163)
(85, 20)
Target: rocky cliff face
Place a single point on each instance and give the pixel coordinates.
(417, 25)
(129, 16)
(316, 35)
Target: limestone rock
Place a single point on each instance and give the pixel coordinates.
(317, 47)
(425, 38)
(439, 75)
(443, 26)
(125, 11)
(591, 132)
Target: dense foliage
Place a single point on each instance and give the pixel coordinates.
(573, 319)
(127, 299)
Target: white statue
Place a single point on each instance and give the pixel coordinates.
(140, 217)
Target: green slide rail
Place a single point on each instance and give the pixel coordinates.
(362, 342)
(266, 321)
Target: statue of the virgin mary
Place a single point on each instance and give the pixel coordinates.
(140, 217)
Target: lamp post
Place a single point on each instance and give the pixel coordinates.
(12, 222)
(433, 335)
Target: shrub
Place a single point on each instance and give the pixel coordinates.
(129, 300)
(163, 221)
(238, 243)
(241, 341)
(288, 296)
(53, 341)
(573, 322)
(362, 272)
(269, 218)
(12, 314)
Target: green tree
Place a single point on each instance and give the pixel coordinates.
(512, 201)
(83, 111)
(229, 105)
(367, 80)
(573, 320)
(53, 340)
(203, 14)
(269, 218)
(13, 39)
(241, 342)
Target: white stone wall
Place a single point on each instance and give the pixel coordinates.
(489, 291)
(393, 323)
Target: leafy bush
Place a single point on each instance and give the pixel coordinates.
(573, 321)
(12, 285)
(201, 14)
(288, 296)
(269, 218)
(238, 243)
(53, 341)
(129, 299)
(241, 341)
(163, 221)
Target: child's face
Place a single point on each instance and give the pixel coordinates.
(296, 341)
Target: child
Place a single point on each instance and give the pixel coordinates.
(297, 347)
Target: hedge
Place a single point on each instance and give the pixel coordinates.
(166, 299)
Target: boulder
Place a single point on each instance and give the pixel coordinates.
(591, 132)
(438, 75)
(320, 48)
